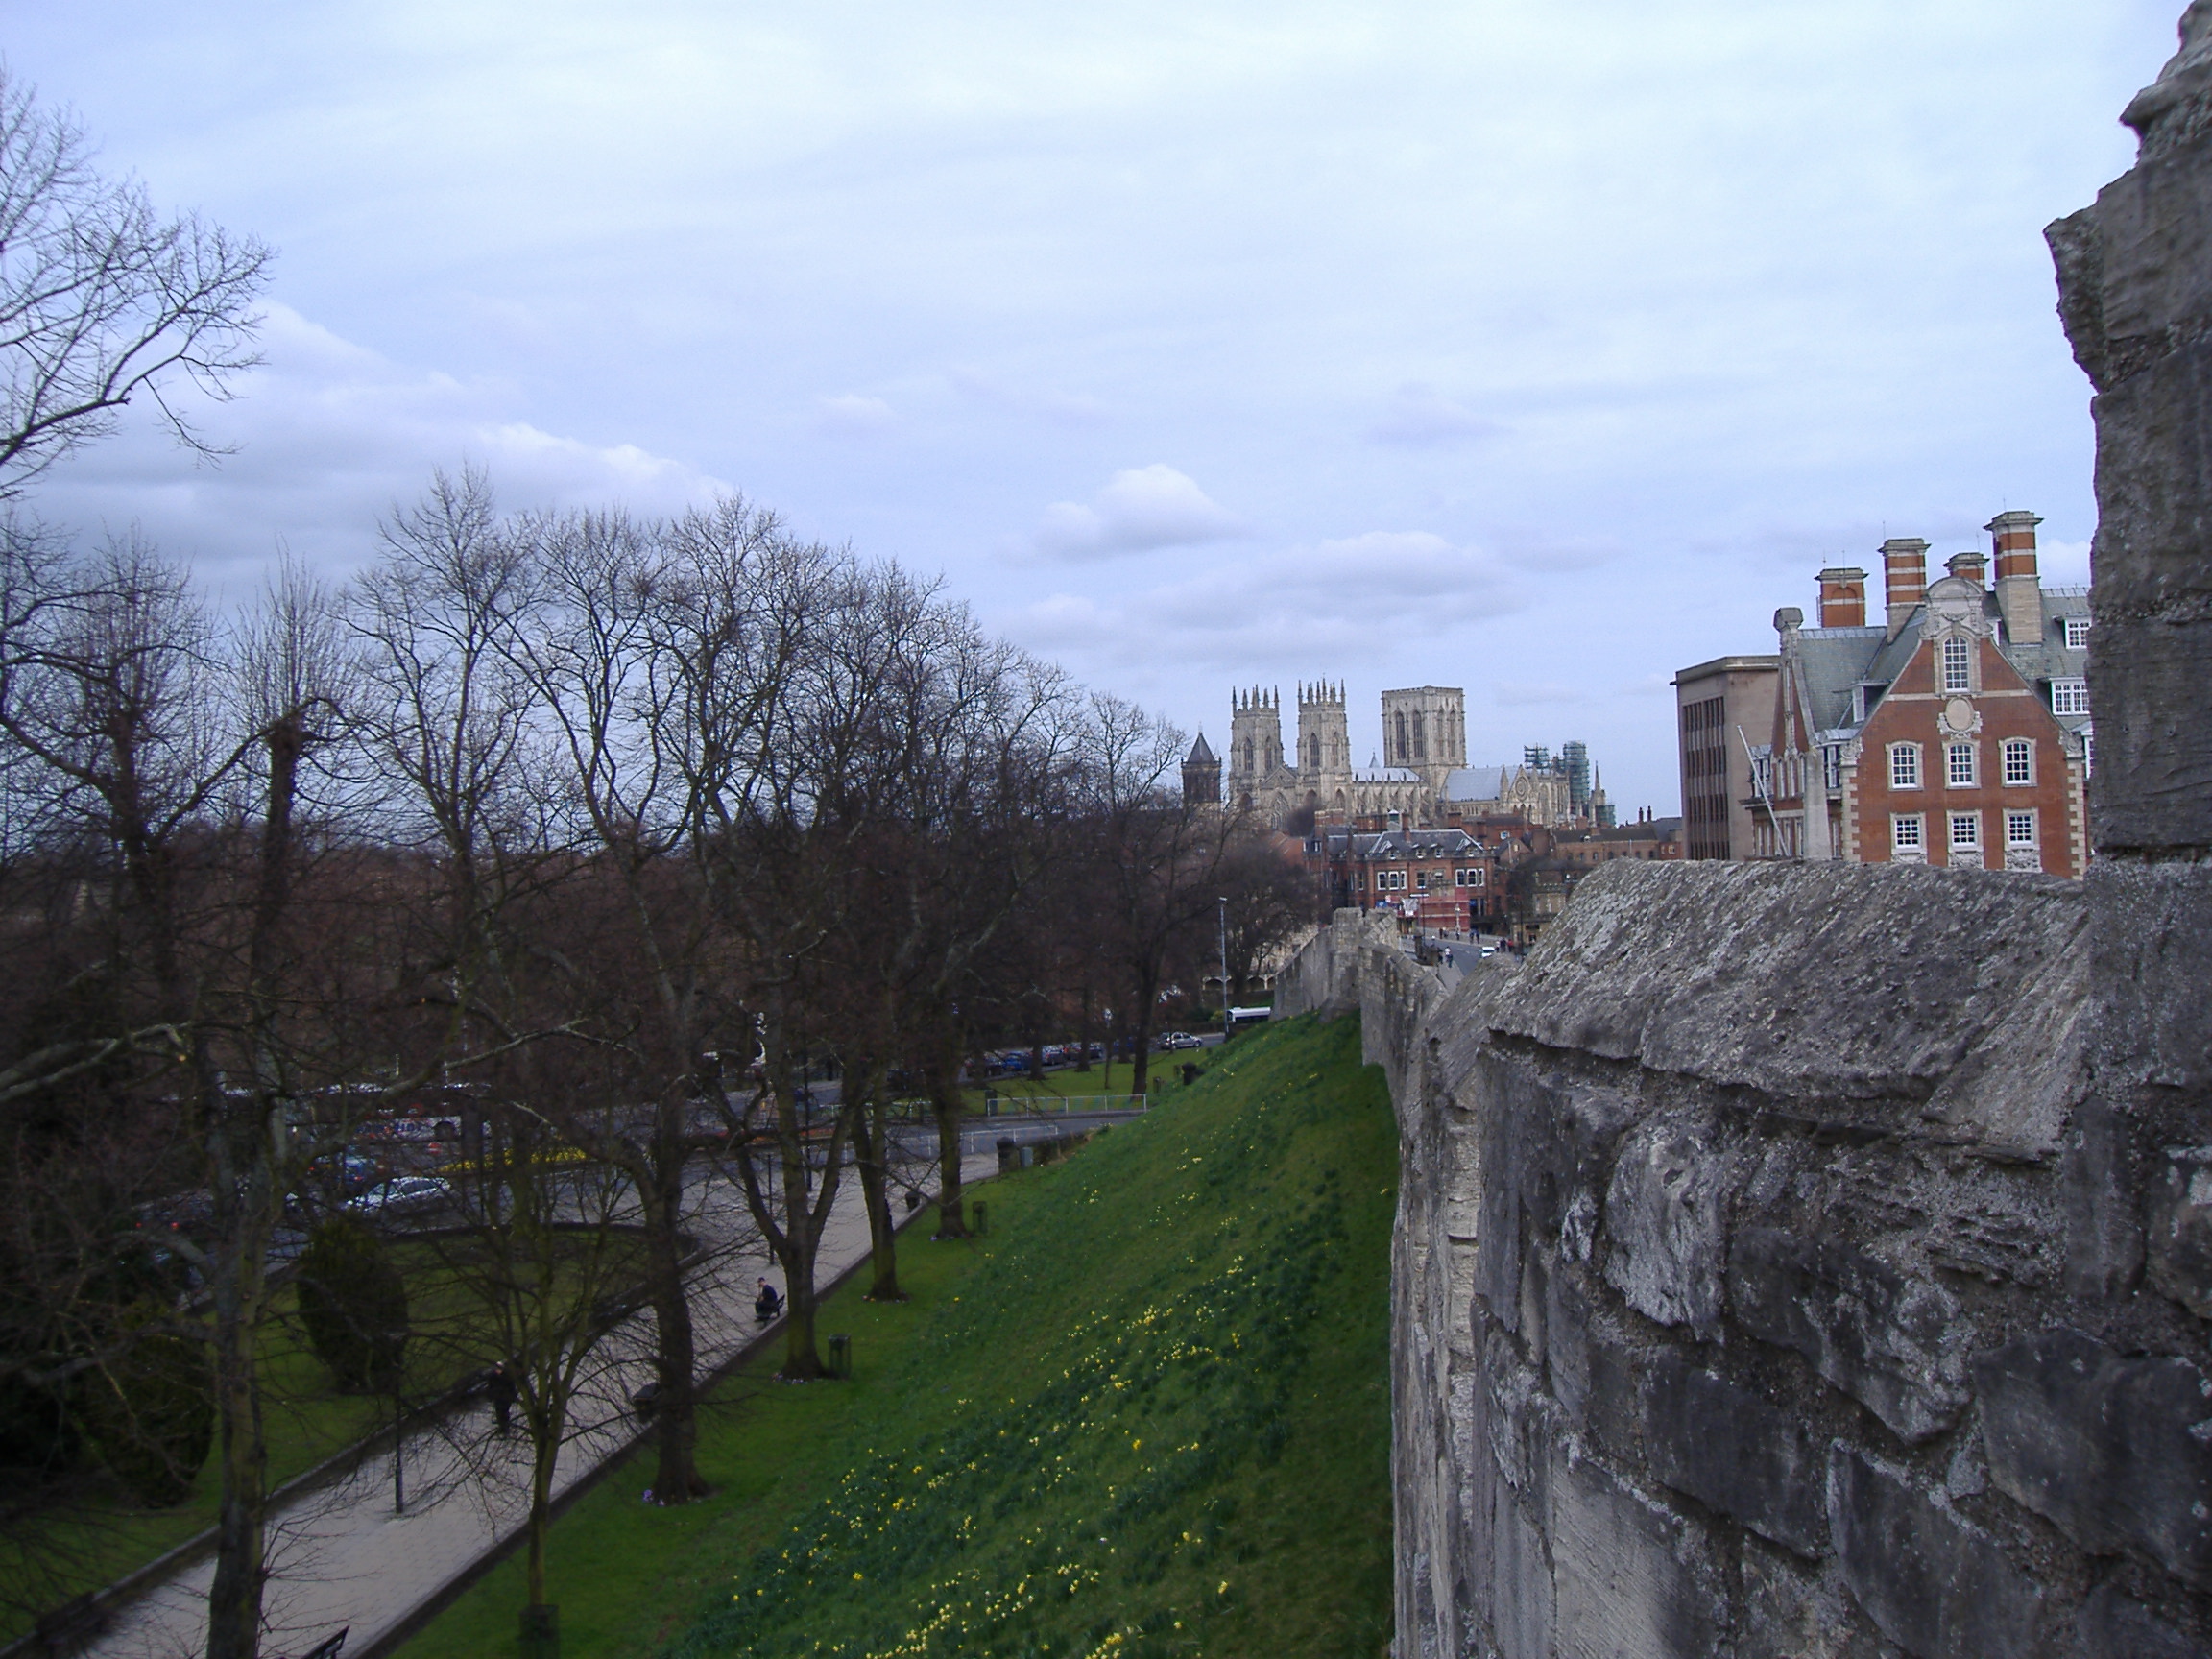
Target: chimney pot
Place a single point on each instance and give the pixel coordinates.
(1843, 597)
(1904, 578)
(2019, 584)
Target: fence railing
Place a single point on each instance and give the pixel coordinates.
(1030, 1105)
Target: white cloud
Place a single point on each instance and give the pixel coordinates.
(1420, 416)
(852, 414)
(1329, 606)
(1141, 508)
(326, 436)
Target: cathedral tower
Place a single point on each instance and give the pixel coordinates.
(1255, 744)
(1324, 739)
(1425, 731)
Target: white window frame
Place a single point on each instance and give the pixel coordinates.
(2070, 696)
(2022, 750)
(1389, 880)
(1904, 765)
(1972, 824)
(1957, 668)
(2013, 822)
(1952, 754)
(1470, 877)
(1908, 832)
(2076, 633)
(1832, 766)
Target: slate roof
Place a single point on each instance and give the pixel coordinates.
(1833, 661)
(1475, 784)
(1200, 754)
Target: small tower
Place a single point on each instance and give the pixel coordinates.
(1324, 738)
(1255, 744)
(1201, 776)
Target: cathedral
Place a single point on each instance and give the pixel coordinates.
(1424, 739)
(1424, 776)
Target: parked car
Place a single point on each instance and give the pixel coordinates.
(1180, 1040)
(402, 1195)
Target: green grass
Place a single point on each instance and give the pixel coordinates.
(1149, 1415)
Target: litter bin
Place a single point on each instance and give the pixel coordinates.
(841, 1356)
(982, 1217)
(1009, 1154)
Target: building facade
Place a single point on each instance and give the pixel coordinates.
(1956, 732)
(1725, 709)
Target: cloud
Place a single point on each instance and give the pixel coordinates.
(1420, 416)
(1069, 408)
(1141, 508)
(1329, 605)
(326, 436)
(851, 414)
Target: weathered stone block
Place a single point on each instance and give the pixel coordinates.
(1666, 1221)
(1624, 1578)
(1734, 1452)
(1937, 1586)
(2116, 1452)
(2178, 1242)
(2147, 942)
(1893, 1343)
(2110, 1626)
(1792, 1611)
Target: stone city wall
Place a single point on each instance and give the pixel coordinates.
(1740, 1294)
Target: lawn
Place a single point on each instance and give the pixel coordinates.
(1149, 1415)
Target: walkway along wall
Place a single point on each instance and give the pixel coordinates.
(1732, 1296)
(1816, 1259)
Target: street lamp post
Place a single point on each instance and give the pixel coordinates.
(1224, 970)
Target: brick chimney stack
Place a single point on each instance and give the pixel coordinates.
(1904, 575)
(2019, 587)
(1970, 566)
(1843, 597)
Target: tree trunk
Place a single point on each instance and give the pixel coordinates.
(544, 1453)
(1141, 1039)
(235, 1597)
(945, 1098)
(872, 1160)
(676, 1480)
(802, 1354)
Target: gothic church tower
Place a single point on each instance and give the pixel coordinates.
(1255, 745)
(1324, 739)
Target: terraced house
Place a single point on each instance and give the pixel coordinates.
(1956, 732)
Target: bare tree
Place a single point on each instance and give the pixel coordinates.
(101, 298)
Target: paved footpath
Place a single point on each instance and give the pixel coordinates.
(339, 1556)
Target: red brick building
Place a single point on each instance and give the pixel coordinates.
(1446, 881)
(1956, 732)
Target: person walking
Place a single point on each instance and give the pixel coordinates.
(499, 1385)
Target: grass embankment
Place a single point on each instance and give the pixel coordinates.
(1149, 1415)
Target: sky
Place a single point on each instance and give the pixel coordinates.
(1538, 346)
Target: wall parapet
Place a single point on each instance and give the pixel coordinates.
(1731, 1291)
